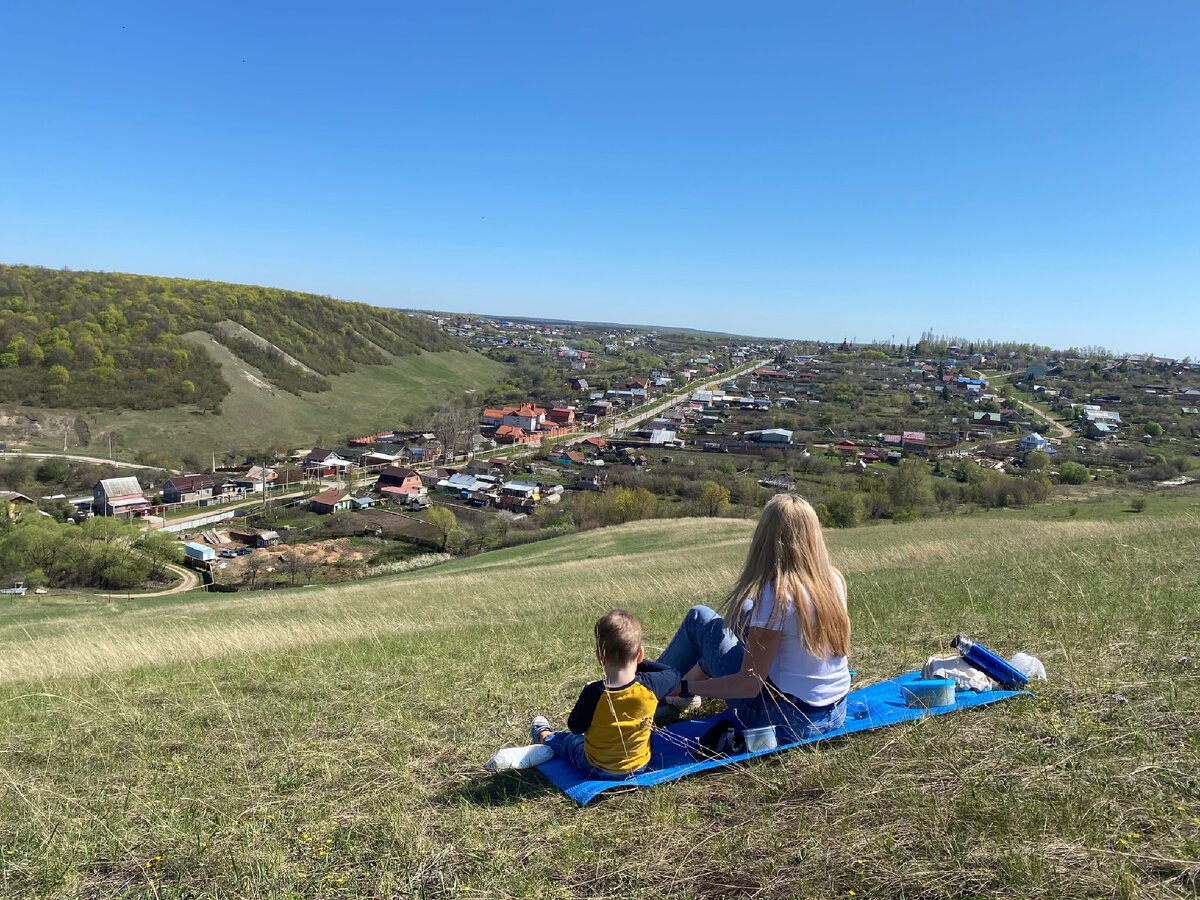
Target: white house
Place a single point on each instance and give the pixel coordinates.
(1032, 441)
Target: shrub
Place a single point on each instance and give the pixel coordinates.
(1073, 473)
(631, 504)
(1035, 460)
(841, 509)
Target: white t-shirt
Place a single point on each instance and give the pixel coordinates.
(796, 671)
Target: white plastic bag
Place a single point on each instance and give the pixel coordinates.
(964, 675)
(1029, 666)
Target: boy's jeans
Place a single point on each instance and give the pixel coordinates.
(703, 638)
(569, 746)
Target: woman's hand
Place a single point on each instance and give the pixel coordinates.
(762, 646)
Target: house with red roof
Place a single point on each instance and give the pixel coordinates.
(526, 417)
(511, 434)
(399, 481)
(329, 501)
(187, 488)
(527, 423)
(568, 458)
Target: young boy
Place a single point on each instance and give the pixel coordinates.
(609, 728)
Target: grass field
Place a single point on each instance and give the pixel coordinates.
(328, 742)
(255, 415)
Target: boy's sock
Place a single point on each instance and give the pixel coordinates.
(519, 758)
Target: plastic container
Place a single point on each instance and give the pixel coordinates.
(926, 693)
(759, 739)
(857, 710)
(988, 662)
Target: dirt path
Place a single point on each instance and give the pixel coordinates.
(1061, 431)
(189, 581)
(99, 460)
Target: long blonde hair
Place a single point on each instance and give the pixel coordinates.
(788, 552)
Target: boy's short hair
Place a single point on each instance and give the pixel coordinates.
(618, 637)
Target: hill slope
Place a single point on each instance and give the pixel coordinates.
(327, 742)
(255, 414)
(133, 344)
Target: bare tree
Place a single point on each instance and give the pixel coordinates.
(293, 563)
(453, 425)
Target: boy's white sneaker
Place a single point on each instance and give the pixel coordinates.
(538, 728)
(684, 704)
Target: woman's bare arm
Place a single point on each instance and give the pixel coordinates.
(762, 646)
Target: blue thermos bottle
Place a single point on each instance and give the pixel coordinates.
(988, 662)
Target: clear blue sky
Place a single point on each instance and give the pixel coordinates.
(1024, 170)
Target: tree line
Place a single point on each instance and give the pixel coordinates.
(100, 553)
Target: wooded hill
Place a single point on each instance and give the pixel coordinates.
(109, 340)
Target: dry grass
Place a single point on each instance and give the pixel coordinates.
(673, 565)
(326, 742)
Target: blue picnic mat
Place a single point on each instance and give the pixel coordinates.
(669, 757)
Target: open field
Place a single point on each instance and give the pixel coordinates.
(327, 742)
(256, 415)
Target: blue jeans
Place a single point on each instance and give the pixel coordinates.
(703, 638)
(569, 746)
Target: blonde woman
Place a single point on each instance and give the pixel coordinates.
(784, 660)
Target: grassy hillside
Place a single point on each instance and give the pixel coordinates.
(255, 414)
(114, 341)
(328, 742)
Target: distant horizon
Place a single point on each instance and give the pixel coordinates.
(908, 339)
(797, 168)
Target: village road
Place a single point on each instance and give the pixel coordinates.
(99, 460)
(1061, 430)
(188, 581)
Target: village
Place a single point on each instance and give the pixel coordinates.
(744, 419)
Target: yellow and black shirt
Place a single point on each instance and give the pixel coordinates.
(615, 721)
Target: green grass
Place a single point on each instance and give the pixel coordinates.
(364, 401)
(328, 742)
